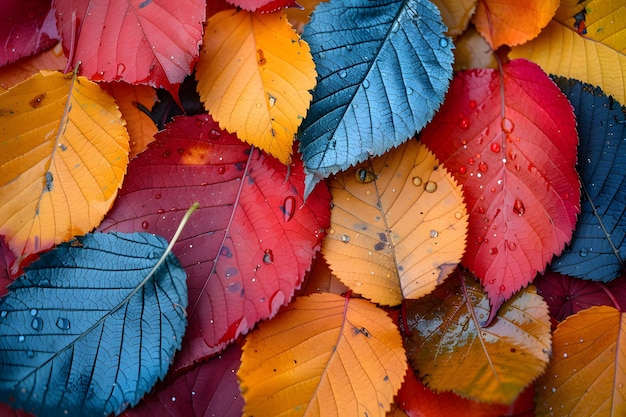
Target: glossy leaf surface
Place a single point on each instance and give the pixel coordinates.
(254, 77)
(383, 70)
(88, 329)
(398, 225)
(63, 155)
(598, 247)
(324, 355)
(150, 42)
(587, 374)
(517, 166)
(249, 244)
(452, 352)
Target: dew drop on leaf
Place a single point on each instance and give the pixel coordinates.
(518, 207)
(434, 233)
(33, 312)
(462, 169)
(502, 288)
(145, 224)
(464, 123)
(268, 257)
(21, 338)
(366, 84)
(345, 238)
(584, 252)
(214, 134)
(37, 324)
(3, 313)
(482, 167)
(443, 42)
(288, 208)
(30, 353)
(495, 147)
(221, 170)
(493, 251)
(365, 176)
(63, 323)
(417, 181)
(343, 74)
(472, 104)
(507, 125)
(430, 187)
(512, 246)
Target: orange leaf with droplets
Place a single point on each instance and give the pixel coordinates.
(587, 374)
(323, 355)
(398, 225)
(511, 22)
(453, 352)
(63, 154)
(510, 139)
(134, 102)
(254, 77)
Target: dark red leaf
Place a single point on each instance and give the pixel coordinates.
(510, 138)
(208, 389)
(27, 27)
(6, 411)
(247, 247)
(152, 42)
(6, 260)
(264, 6)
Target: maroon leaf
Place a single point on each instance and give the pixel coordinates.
(6, 411)
(27, 27)
(247, 247)
(208, 389)
(264, 6)
(152, 42)
(7, 257)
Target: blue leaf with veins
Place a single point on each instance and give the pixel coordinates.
(383, 68)
(598, 247)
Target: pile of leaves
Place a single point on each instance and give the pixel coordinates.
(400, 211)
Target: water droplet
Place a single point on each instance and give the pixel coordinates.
(443, 42)
(120, 69)
(417, 181)
(214, 134)
(365, 176)
(518, 207)
(368, 192)
(507, 125)
(409, 91)
(37, 324)
(553, 389)
(331, 231)
(30, 353)
(584, 252)
(462, 169)
(470, 161)
(21, 338)
(493, 251)
(268, 257)
(481, 210)
(345, 238)
(395, 27)
(366, 84)
(221, 170)
(502, 288)
(288, 208)
(566, 196)
(472, 104)
(3, 313)
(430, 187)
(33, 312)
(358, 283)
(482, 167)
(495, 147)
(349, 47)
(173, 398)
(565, 355)
(63, 323)
(464, 123)
(158, 196)
(434, 233)
(271, 100)
(343, 74)
(145, 224)
(512, 246)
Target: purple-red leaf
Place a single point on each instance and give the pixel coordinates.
(247, 247)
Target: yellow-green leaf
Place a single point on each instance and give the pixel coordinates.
(254, 77)
(587, 373)
(597, 55)
(324, 355)
(452, 352)
(63, 155)
(398, 225)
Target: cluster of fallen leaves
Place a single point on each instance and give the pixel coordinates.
(420, 301)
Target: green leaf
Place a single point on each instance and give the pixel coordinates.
(383, 69)
(90, 327)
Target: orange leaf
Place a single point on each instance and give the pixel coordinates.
(472, 51)
(320, 279)
(456, 14)
(63, 154)
(491, 364)
(323, 355)
(511, 22)
(398, 225)
(587, 374)
(141, 127)
(254, 77)
(52, 59)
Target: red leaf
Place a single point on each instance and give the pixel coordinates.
(208, 389)
(249, 244)
(264, 6)
(152, 42)
(567, 295)
(7, 257)
(27, 27)
(510, 139)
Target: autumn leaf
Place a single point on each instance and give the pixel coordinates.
(319, 279)
(254, 77)
(152, 42)
(382, 73)
(472, 52)
(598, 246)
(567, 47)
(52, 59)
(323, 355)
(587, 373)
(456, 14)
(263, 6)
(64, 151)
(509, 138)
(6, 260)
(512, 22)
(398, 225)
(249, 244)
(453, 352)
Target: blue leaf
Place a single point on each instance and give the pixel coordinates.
(598, 247)
(383, 69)
(88, 330)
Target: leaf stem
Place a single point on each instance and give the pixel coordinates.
(611, 297)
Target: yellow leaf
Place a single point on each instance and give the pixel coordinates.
(472, 51)
(63, 154)
(493, 364)
(597, 58)
(511, 22)
(398, 225)
(141, 127)
(254, 77)
(587, 373)
(324, 355)
(456, 14)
